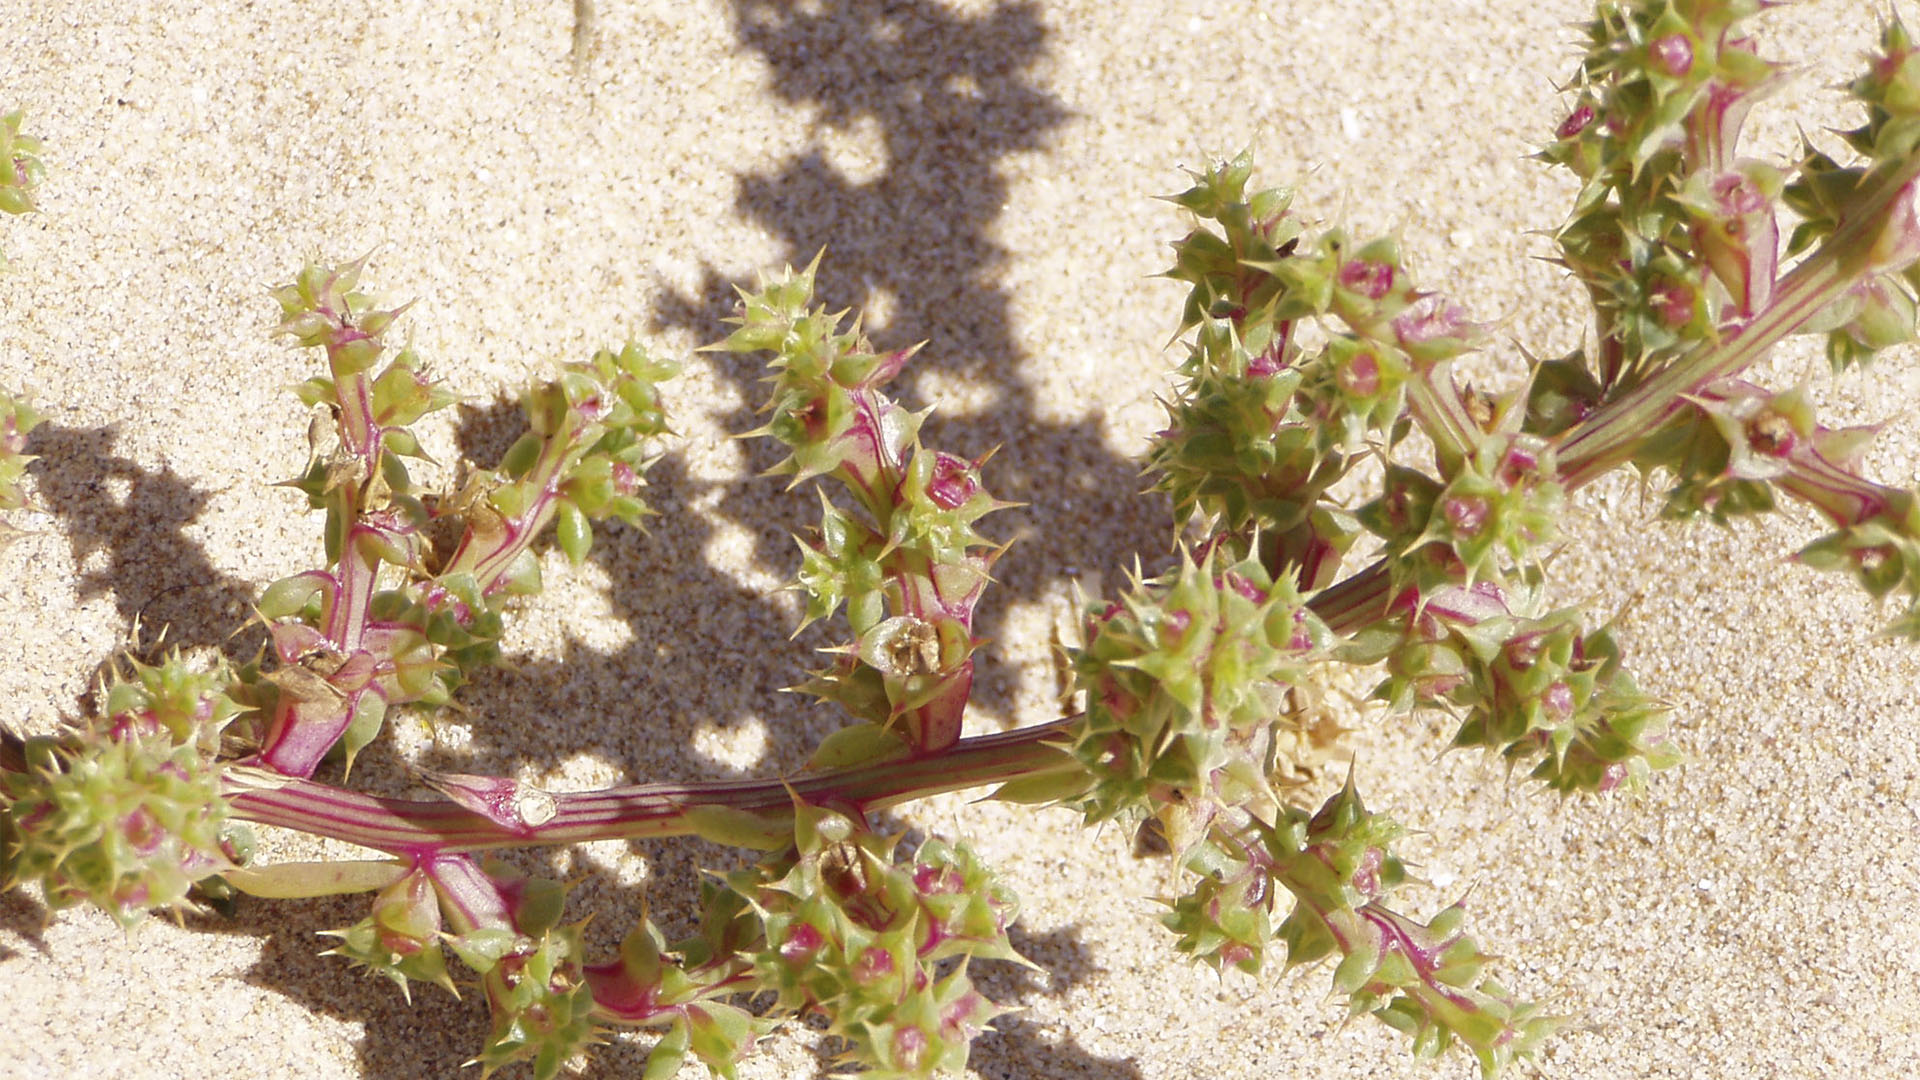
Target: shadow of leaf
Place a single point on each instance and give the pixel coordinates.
(25, 918)
(126, 522)
(951, 98)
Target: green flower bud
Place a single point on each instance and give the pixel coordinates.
(401, 939)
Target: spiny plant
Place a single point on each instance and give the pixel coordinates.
(20, 172)
(1309, 354)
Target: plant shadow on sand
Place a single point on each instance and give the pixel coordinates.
(951, 98)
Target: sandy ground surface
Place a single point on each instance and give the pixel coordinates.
(544, 180)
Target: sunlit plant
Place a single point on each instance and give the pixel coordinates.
(1308, 355)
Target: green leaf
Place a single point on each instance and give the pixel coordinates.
(574, 531)
(541, 904)
(302, 880)
(401, 441)
(520, 458)
(523, 574)
(669, 1053)
(288, 596)
(1052, 788)
(857, 745)
(482, 948)
(719, 1032)
(369, 713)
(314, 391)
(738, 828)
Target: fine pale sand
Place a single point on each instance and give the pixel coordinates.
(544, 179)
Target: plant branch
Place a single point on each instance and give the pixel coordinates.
(1868, 243)
(641, 811)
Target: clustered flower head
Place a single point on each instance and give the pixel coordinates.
(1262, 428)
(130, 816)
(1669, 211)
(1542, 689)
(1186, 679)
(684, 987)
(908, 565)
(1500, 504)
(1426, 979)
(542, 1007)
(401, 938)
(1326, 876)
(852, 932)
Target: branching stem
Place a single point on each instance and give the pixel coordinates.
(640, 811)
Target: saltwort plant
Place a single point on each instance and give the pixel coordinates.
(1313, 360)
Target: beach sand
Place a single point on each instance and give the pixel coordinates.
(544, 179)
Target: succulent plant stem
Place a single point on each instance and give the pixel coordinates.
(640, 811)
(1868, 243)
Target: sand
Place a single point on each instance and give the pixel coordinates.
(544, 179)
